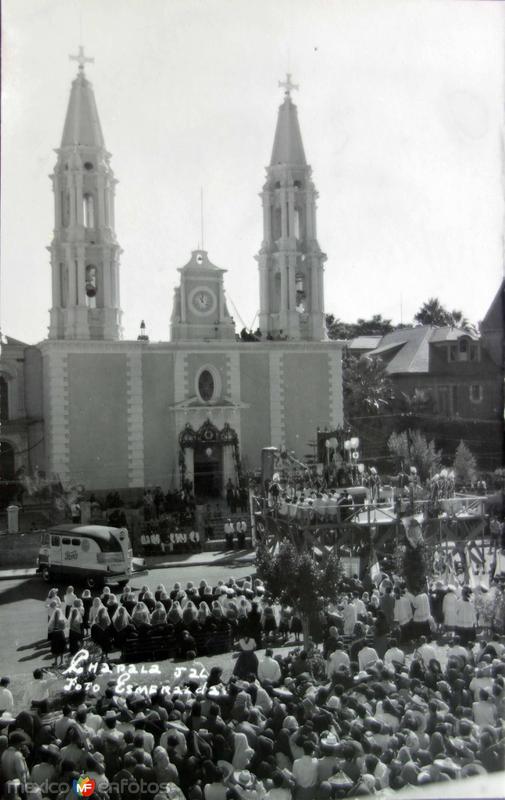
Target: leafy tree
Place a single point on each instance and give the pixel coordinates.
(398, 445)
(465, 465)
(413, 567)
(375, 326)
(432, 312)
(296, 579)
(412, 449)
(336, 329)
(368, 390)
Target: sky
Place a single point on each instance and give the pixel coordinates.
(401, 112)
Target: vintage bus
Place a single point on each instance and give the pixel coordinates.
(89, 554)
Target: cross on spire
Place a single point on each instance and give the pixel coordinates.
(287, 85)
(81, 58)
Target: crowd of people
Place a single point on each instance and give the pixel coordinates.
(190, 618)
(373, 703)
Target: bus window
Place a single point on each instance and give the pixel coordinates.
(76, 542)
(55, 541)
(65, 541)
(112, 545)
(44, 539)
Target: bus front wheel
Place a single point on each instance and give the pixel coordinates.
(46, 574)
(92, 582)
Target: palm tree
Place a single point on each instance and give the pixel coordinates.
(432, 312)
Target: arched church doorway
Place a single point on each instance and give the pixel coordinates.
(207, 470)
(208, 458)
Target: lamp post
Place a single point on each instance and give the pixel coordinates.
(351, 446)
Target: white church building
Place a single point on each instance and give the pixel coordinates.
(91, 408)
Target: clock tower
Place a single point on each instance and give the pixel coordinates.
(200, 312)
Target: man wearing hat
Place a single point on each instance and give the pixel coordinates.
(139, 722)
(46, 769)
(247, 786)
(328, 762)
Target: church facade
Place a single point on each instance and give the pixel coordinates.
(111, 413)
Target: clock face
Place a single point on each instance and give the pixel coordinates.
(202, 300)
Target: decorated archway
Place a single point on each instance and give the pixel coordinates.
(209, 458)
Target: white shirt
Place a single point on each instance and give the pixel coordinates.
(366, 657)
(426, 652)
(484, 713)
(39, 690)
(403, 610)
(6, 699)
(465, 614)
(360, 607)
(394, 655)
(337, 659)
(269, 670)
(422, 611)
(94, 721)
(278, 794)
(305, 771)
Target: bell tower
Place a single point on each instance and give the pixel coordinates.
(84, 250)
(290, 259)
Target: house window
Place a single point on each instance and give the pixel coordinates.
(454, 394)
(476, 393)
(444, 407)
(452, 354)
(463, 350)
(474, 352)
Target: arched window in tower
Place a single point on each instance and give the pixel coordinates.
(63, 285)
(301, 296)
(4, 399)
(65, 209)
(276, 223)
(88, 208)
(298, 225)
(91, 286)
(277, 291)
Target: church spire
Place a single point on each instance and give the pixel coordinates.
(84, 249)
(82, 125)
(288, 145)
(290, 260)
